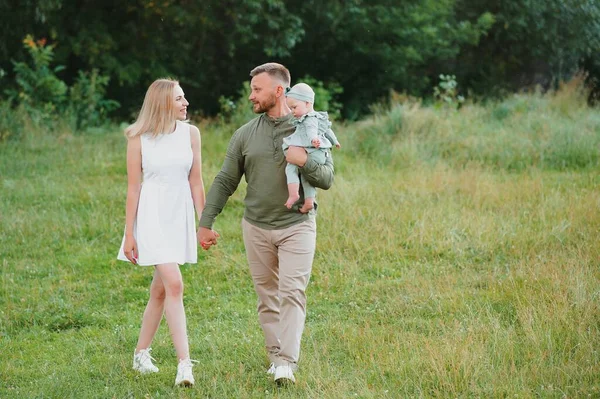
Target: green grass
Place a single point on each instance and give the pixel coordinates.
(458, 256)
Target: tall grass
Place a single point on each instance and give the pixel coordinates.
(457, 257)
(526, 130)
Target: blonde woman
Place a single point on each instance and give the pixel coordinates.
(164, 185)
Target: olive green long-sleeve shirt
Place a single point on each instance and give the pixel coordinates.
(255, 151)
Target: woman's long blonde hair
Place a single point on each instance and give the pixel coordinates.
(157, 114)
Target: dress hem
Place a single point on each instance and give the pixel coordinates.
(161, 262)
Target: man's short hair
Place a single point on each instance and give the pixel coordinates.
(274, 70)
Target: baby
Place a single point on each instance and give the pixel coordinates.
(313, 132)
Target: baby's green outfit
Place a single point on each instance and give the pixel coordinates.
(309, 126)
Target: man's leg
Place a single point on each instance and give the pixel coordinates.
(263, 263)
(296, 249)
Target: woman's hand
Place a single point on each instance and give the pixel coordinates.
(130, 249)
(207, 237)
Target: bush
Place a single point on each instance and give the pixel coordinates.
(39, 89)
(446, 92)
(40, 97)
(87, 103)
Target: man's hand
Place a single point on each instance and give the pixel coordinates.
(296, 156)
(207, 237)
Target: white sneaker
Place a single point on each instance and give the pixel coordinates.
(142, 362)
(271, 370)
(184, 377)
(284, 375)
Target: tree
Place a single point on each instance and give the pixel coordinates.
(531, 42)
(210, 45)
(368, 47)
(372, 47)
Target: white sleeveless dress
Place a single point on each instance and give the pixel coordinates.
(165, 224)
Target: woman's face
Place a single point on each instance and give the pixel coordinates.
(180, 103)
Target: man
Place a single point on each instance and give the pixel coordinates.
(280, 242)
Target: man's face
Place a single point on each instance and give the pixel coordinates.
(262, 96)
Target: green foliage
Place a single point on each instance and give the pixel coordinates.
(88, 104)
(47, 101)
(531, 42)
(367, 47)
(516, 134)
(39, 89)
(209, 45)
(446, 93)
(370, 48)
(373, 137)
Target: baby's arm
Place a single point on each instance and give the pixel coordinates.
(312, 131)
(331, 137)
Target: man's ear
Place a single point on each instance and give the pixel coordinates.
(279, 91)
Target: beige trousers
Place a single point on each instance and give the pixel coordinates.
(280, 264)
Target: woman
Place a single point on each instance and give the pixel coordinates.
(160, 219)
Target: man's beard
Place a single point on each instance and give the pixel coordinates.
(259, 108)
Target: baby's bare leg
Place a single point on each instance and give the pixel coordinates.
(309, 195)
(293, 180)
(309, 203)
(293, 194)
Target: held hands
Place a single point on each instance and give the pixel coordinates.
(207, 237)
(130, 249)
(316, 142)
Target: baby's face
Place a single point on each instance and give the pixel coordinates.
(298, 107)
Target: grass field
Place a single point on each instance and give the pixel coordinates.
(458, 256)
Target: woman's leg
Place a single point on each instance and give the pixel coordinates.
(170, 275)
(152, 314)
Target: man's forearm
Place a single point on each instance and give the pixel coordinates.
(216, 199)
(320, 176)
(224, 185)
